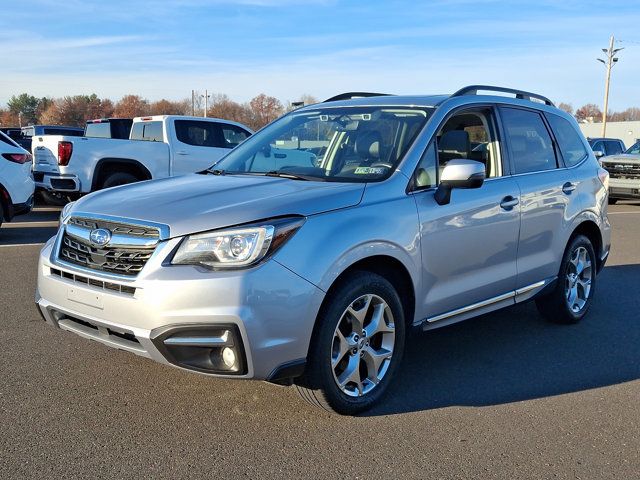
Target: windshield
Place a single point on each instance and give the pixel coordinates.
(634, 150)
(352, 144)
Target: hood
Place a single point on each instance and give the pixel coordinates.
(195, 203)
(621, 158)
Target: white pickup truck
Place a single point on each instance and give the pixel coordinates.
(158, 146)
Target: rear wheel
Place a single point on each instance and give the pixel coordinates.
(357, 347)
(1, 214)
(119, 178)
(570, 299)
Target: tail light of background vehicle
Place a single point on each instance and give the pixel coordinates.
(65, 149)
(20, 158)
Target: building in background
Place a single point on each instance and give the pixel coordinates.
(628, 132)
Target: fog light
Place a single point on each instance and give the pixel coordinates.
(229, 357)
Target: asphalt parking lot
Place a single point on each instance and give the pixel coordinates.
(505, 395)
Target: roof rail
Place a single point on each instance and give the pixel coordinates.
(351, 95)
(473, 90)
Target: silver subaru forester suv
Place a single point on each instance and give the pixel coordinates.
(308, 253)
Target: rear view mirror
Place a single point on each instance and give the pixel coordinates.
(459, 173)
(598, 153)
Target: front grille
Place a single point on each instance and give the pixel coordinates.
(116, 228)
(621, 170)
(116, 287)
(121, 259)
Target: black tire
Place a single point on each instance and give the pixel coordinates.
(613, 201)
(318, 385)
(57, 199)
(119, 178)
(1, 214)
(554, 306)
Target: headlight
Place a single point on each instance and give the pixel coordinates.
(65, 212)
(236, 247)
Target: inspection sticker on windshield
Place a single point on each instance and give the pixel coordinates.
(370, 170)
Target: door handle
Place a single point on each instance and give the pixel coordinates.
(568, 187)
(509, 202)
(182, 153)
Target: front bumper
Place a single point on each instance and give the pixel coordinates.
(56, 181)
(624, 188)
(273, 309)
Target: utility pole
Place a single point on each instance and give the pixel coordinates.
(608, 63)
(206, 101)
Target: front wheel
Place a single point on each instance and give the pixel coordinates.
(569, 301)
(357, 346)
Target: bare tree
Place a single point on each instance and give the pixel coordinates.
(588, 112)
(264, 110)
(567, 107)
(131, 106)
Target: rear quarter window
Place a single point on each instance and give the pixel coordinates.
(199, 133)
(569, 140)
(147, 131)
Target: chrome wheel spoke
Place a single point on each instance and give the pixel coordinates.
(343, 347)
(378, 323)
(358, 311)
(374, 361)
(351, 375)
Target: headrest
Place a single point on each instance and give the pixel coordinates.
(368, 145)
(455, 141)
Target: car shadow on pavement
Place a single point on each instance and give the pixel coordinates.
(515, 355)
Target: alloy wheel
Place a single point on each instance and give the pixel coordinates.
(578, 280)
(362, 345)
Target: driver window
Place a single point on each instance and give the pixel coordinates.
(470, 134)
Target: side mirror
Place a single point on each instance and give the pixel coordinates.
(598, 153)
(459, 173)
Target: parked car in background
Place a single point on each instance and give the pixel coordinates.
(157, 147)
(606, 146)
(28, 133)
(283, 265)
(108, 128)
(16, 183)
(624, 172)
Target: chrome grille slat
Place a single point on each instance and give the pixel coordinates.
(120, 258)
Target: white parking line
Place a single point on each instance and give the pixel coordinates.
(22, 245)
(31, 224)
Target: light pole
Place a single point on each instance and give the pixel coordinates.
(609, 63)
(206, 101)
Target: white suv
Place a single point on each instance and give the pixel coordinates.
(16, 182)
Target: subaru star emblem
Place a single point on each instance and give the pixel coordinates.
(100, 236)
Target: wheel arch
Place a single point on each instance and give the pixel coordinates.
(5, 202)
(590, 229)
(389, 268)
(106, 166)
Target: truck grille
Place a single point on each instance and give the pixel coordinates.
(622, 170)
(132, 246)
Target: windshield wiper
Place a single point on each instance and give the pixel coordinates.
(293, 176)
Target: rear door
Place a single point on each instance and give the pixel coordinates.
(198, 144)
(548, 194)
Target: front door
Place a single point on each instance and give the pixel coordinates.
(469, 246)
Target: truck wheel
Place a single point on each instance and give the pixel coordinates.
(56, 199)
(613, 201)
(357, 346)
(569, 301)
(120, 178)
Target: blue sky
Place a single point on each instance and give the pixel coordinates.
(285, 48)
